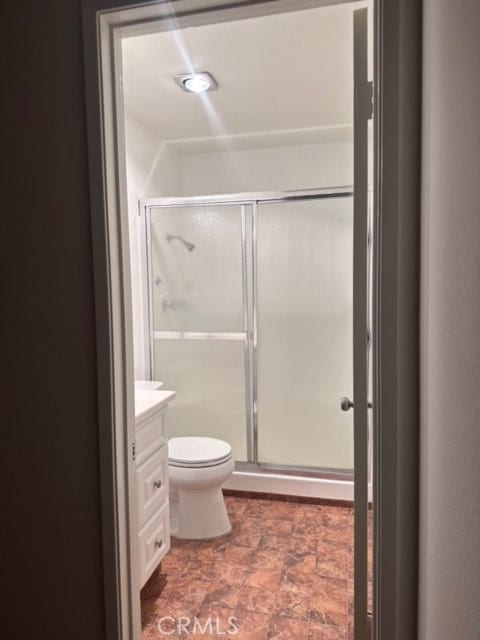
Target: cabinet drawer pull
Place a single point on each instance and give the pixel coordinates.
(158, 543)
(157, 484)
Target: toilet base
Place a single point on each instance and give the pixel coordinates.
(198, 514)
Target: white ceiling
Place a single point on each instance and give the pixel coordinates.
(290, 71)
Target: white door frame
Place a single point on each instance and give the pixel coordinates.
(397, 71)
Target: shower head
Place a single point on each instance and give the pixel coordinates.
(188, 245)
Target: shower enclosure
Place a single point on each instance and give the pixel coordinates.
(250, 317)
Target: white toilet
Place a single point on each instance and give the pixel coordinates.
(197, 469)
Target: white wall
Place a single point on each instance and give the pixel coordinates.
(144, 155)
(267, 169)
(450, 370)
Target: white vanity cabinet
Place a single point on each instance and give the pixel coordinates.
(151, 459)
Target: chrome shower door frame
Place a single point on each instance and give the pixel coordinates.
(249, 225)
(145, 210)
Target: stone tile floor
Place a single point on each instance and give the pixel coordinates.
(285, 572)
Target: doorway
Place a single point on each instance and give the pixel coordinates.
(250, 296)
(149, 27)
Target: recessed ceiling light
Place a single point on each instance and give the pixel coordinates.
(196, 82)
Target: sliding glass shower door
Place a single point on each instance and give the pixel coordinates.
(199, 321)
(304, 327)
(251, 324)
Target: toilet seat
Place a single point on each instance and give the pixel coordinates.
(194, 452)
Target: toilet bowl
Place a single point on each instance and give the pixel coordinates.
(197, 469)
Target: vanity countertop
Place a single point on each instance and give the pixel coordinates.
(148, 401)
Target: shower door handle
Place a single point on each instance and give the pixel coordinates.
(346, 404)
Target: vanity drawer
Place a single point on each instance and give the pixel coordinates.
(154, 542)
(152, 484)
(149, 436)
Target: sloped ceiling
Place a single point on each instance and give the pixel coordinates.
(278, 73)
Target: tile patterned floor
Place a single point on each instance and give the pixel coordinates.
(285, 573)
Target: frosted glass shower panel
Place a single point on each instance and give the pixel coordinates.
(196, 263)
(209, 378)
(305, 315)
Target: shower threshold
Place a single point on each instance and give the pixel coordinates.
(328, 484)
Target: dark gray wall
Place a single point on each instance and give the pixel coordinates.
(50, 536)
(450, 425)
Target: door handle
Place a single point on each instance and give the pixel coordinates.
(346, 404)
